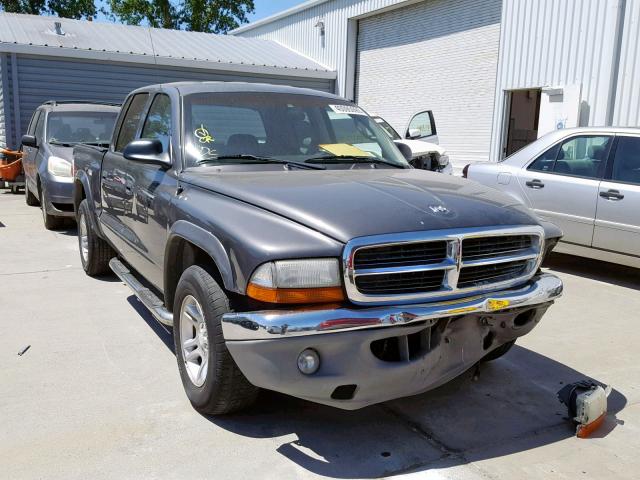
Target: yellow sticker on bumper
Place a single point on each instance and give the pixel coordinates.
(497, 304)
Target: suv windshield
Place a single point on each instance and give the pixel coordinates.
(76, 127)
(249, 127)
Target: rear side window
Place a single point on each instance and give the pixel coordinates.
(131, 121)
(626, 164)
(158, 123)
(544, 163)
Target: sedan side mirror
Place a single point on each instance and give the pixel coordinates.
(414, 133)
(29, 141)
(146, 151)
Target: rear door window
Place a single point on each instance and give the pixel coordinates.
(131, 121)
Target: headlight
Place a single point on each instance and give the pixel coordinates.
(443, 160)
(59, 167)
(297, 281)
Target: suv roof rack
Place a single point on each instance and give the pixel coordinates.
(93, 102)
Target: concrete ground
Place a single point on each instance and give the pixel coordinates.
(97, 394)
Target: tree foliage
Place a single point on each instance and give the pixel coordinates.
(215, 16)
(61, 8)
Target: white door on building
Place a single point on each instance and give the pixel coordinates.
(438, 55)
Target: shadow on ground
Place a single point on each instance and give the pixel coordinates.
(510, 407)
(595, 270)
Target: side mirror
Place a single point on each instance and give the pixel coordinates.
(414, 133)
(29, 141)
(146, 151)
(405, 150)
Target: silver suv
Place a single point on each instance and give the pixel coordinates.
(54, 129)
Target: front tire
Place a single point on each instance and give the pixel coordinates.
(95, 253)
(29, 197)
(212, 381)
(51, 222)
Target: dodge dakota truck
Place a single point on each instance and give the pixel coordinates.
(287, 241)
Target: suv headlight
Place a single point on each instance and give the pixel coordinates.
(314, 280)
(59, 167)
(443, 161)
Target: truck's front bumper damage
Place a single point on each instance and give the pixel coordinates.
(369, 355)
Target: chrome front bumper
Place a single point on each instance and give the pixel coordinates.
(278, 324)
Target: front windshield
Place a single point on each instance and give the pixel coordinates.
(80, 127)
(245, 127)
(387, 128)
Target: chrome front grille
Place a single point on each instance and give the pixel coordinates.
(488, 274)
(485, 247)
(417, 266)
(419, 253)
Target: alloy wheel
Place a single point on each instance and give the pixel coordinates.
(194, 340)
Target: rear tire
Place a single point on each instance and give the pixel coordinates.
(95, 253)
(212, 381)
(498, 352)
(29, 197)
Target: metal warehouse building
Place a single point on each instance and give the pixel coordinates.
(497, 74)
(44, 58)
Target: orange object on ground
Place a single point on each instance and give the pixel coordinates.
(11, 165)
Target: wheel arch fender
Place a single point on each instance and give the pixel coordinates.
(182, 231)
(81, 191)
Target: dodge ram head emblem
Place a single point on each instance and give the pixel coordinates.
(438, 209)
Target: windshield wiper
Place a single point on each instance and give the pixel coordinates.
(258, 159)
(351, 159)
(62, 144)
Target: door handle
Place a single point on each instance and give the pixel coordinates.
(535, 184)
(612, 195)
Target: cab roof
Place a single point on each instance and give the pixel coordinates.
(187, 88)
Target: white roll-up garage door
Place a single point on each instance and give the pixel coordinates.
(438, 55)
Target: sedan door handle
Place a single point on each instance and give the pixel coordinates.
(535, 183)
(612, 195)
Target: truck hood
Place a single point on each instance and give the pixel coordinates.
(346, 204)
(418, 147)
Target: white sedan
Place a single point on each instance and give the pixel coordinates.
(586, 181)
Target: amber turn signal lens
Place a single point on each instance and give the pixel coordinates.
(295, 295)
(584, 431)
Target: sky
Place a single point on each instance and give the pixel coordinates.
(264, 8)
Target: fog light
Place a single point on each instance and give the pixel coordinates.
(308, 361)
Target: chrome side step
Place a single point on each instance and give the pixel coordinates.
(146, 296)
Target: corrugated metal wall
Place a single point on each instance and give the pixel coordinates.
(557, 43)
(627, 100)
(43, 78)
(298, 31)
(438, 55)
(3, 80)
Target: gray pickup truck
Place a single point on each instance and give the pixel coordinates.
(289, 244)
